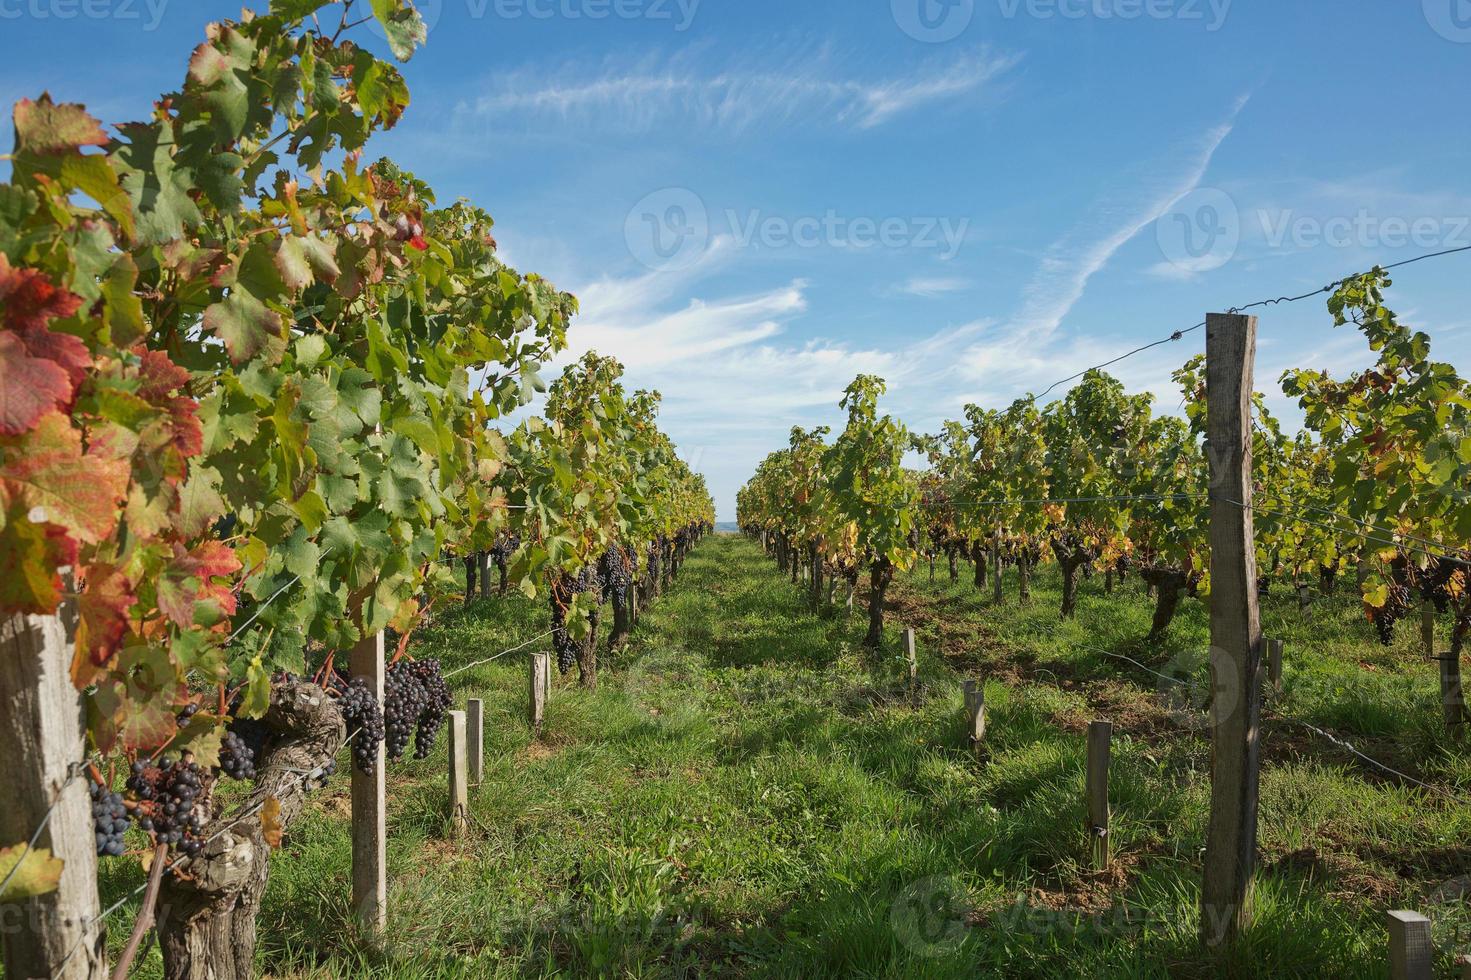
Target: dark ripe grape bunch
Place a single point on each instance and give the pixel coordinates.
(616, 575)
(404, 699)
(437, 702)
(364, 720)
(562, 640)
(167, 794)
(187, 714)
(237, 758)
(1394, 609)
(109, 819)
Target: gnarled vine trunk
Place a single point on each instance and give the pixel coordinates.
(207, 910)
(1069, 559)
(587, 654)
(1169, 585)
(979, 557)
(880, 576)
(816, 584)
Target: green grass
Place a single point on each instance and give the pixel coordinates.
(749, 793)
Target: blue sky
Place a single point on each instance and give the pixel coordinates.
(757, 200)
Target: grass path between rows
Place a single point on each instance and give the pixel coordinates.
(749, 793)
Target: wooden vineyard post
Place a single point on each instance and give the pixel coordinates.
(1411, 950)
(1274, 664)
(459, 775)
(1100, 738)
(541, 682)
(370, 808)
(1236, 633)
(475, 738)
(42, 727)
(975, 714)
(912, 657)
(485, 586)
(1452, 697)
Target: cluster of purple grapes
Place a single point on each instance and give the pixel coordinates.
(416, 701)
(109, 819)
(563, 592)
(168, 793)
(237, 758)
(364, 719)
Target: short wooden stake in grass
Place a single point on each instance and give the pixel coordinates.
(1411, 952)
(475, 738)
(485, 585)
(1274, 664)
(459, 775)
(370, 808)
(975, 713)
(1100, 738)
(913, 658)
(541, 683)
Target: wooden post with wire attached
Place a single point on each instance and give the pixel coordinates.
(541, 683)
(43, 730)
(475, 738)
(370, 807)
(459, 774)
(1411, 948)
(1236, 634)
(1100, 750)
(975, 714)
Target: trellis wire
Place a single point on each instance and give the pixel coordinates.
(1179, 334)
(487, 660)
(72, 772)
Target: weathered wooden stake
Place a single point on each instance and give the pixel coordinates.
(475, 737)
(1411, 951)
(1100, 737)
(975, 713)
(42, 726)
(370, 809)
(1236, 633)
(541, 683)
(485, 586)
(1452, 697)
(1274, 664)
(912, 656)
(459, 774)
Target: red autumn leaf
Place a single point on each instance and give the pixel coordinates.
(30, 300)
(29, 386)
(31, 554)
(103, 608)
(49, 477)
(191, 577)
(418, 243)
(44, 126)
(161, 377)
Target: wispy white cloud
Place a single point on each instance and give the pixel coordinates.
(928, 287)
(1077, 257)
(803, 87)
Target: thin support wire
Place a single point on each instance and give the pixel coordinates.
(482, 663)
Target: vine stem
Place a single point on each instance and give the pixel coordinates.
(144, 922)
